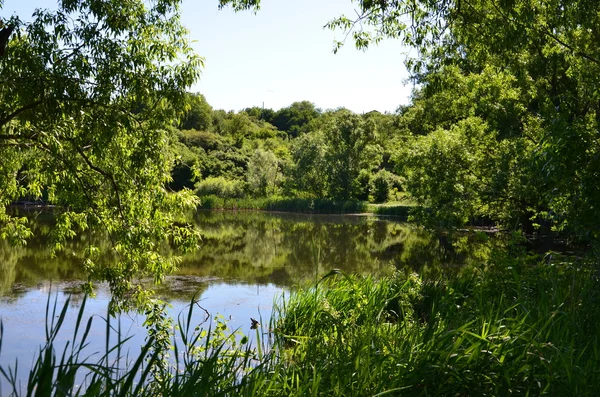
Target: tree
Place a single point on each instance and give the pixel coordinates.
(462, 171)
(296, 118)
(259, 113)
(263, 172)
(87, 92)
(309, 174)
(349, 140)
(198, 114)
(549, 50)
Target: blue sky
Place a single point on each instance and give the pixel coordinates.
(281, 55)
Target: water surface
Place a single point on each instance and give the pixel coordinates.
(245, 260)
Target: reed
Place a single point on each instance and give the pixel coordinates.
(526, 330)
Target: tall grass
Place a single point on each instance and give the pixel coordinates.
(396, 210)
(518, 325)
(509, 328)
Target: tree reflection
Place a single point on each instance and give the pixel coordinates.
(259, 248)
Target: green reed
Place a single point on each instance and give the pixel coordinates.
(509, 328)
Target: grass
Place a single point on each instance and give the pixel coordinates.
(396, 209)
(517, 325)
(511, 327)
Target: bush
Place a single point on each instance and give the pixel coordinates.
(221, 187)
(381, 186)
(204, 139)
(363, 185)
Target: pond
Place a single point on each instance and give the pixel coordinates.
(245, 261)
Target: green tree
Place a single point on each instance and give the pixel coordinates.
(499, 159)
(197, 115)
(263, 172)
(296, 118)
(549, 50)
(87, 94)
(350, 149)
(238, 127)
(261, 113)
(309, 174)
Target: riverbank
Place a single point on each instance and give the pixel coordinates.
(399, 209)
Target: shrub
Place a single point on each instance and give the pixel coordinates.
(221, 187)
(381, 186)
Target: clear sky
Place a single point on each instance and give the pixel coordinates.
(282, 55)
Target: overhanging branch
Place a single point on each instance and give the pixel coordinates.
(17, 112)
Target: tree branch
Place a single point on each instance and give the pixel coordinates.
(18, 112)
(571, 48)
(4, 36)
(106, 174)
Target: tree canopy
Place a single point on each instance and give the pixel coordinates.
(87, 93)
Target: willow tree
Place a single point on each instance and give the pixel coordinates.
(87, 91)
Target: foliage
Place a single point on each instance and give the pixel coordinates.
(322, 159)
(382, 184)
(201, 139)
(545, 109)
(88, 93)
(298, 151)
(348, 138)
(198, 114)
(263, 173)
(221, 187)
(445, 169)
(477, 163)
(185, 171)
(309, 174)
(425, 335)
(296, 118)
(399, 210)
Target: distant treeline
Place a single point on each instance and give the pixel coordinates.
(299, 151)
(463, 151)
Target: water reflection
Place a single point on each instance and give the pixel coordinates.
(288, 249)
(259, 248)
